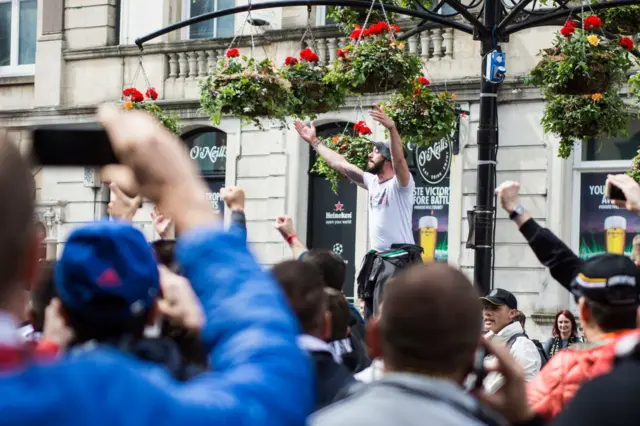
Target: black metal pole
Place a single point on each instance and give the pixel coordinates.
(487, 146)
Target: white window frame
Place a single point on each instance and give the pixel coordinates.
(15, 70)
(186, 14)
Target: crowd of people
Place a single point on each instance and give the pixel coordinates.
(193, 330)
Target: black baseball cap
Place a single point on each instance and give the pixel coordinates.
(499, 297)
(609, 279)
(385, 151)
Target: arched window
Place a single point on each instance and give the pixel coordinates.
(208, 148)
(332, 217)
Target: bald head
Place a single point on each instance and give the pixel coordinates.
(16, 218)
(431, 322)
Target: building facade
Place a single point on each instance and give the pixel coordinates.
(61, 58)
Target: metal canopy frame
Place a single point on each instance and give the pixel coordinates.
(492, 25)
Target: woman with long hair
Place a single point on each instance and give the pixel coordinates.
(564, 334)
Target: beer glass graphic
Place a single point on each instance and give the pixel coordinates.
(615, 230)
(428, 237)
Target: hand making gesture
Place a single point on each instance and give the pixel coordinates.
(381, 117)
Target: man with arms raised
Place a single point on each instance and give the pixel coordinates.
(390, 186)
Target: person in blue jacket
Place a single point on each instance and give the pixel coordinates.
(260, 377)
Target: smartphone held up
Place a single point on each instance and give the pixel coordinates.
(613, 193)
(72, 145)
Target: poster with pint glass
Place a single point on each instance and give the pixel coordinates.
(431, 167)
(604, 228)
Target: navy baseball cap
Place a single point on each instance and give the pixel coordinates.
(107, 272)
(609, 279)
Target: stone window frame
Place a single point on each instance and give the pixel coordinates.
(16, 70)
(186, 14)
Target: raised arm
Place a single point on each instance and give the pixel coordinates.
(400, 166)
(233, 197)
(563, 263)
(335, 160)
(284, 225)
(261, 376)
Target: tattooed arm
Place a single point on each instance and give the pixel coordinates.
(335, 160)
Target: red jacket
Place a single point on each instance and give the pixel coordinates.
(557, 383)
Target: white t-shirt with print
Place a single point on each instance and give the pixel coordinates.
(390, 210)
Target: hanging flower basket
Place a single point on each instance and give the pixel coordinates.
(134, 99)
(634, 172)
(582, 117)
(581, 62)
(622, 20)
(355, 149)
(311, 95)
(347, 17)
(245, 88)
(422, 117)
(375, 64)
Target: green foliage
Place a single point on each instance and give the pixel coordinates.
(376, 64)
(311, 95)
(169, 120)
(621, 20)
(585, 116)
(355, 150)
(245, 89)
(422, 117)
(634, 88)
(574, 65)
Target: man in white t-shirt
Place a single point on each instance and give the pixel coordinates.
(387, 178)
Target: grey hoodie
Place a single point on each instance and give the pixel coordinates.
(407, 399)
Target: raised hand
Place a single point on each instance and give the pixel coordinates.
(629, 188)
(308, 133)
(284, 225)
(161, 223)
(121, 205)
(381, 117)
(233, 196)
(508, 193)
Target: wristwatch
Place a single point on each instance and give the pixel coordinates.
(517, 211)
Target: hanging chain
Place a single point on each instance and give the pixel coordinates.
(309, 31)
(386, 18)
(366, 21)
(139, 70)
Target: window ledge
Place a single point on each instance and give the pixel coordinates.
(17, 80)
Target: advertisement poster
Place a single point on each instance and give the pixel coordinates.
(603, 226)
(332, 223)
(431, 166)
(213, 196)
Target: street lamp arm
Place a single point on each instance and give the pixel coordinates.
(547, 18)
(513, 13)
(425, 15)
(462, 10)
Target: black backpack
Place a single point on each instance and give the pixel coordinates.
(541, 352)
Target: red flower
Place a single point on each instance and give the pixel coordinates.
(233, 53)
(151, 93)
(592, 22)
(378, 28)
(133, 94)
(417, 91)
(567, 31)
(361, 128)
(343, 147)
(423, 81)
(364, 130)
(355, 34)
(626, 43)
(290, 61)
(571, 23)
(342, 53)
(463, 115)
(308, 55)
(395, 28)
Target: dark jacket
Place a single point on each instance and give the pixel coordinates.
(563, 263)
(331, 379)
(357, 360)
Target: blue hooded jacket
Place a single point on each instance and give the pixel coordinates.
(261, 376)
